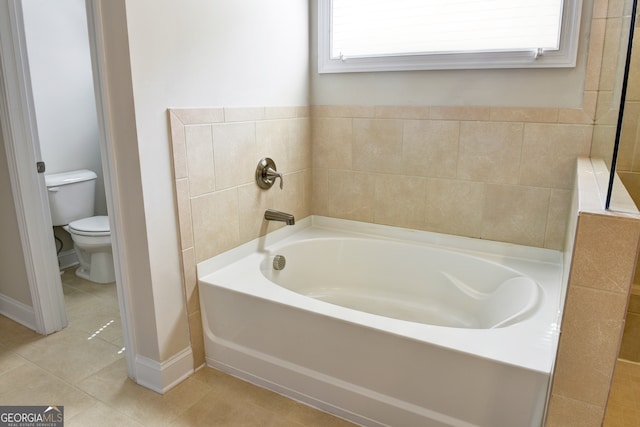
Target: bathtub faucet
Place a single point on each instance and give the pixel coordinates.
(274, 215)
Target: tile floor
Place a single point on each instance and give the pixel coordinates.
(83, 368)
(623, 409)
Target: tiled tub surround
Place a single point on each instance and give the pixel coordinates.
(464, 171)
(472, 171)
(215, 154)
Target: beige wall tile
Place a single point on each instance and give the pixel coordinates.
(596, 51)
(235, 153)
(198, 116)
(299, 148)
(243, 114)
(585, 115)
(401, 112)
(199, 142)
(272, 140)
(633, 88)
(291, 198)
(515, 214)
(320, 191)
(615, 8)
(460, 113)
(602, 144)
(343, 111)
(332, 143)
(549, 153)
(455, 206)
(609, 69)
(600, 240)
(190, 280)
(490, 151)
(252, 202)
(215, 223)
(184, 213)
(430, 148)
(566, 412)
(629, 137)
(351, 195)
(559, 209)
(281, 112)
(600, 8)
(179, 149)
(586, 358)
(400, 201)
(197, 338)
(377, 145)
(606, 109)
(510, 114)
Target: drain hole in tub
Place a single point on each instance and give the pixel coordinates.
(279, 261)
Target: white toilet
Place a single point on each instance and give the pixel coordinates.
(71, 199)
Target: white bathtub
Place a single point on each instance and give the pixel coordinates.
(388, 326)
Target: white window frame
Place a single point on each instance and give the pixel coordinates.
(564, 57)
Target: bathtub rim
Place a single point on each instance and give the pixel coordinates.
(469, 245)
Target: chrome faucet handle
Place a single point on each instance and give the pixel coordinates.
(272, 175)
(266, 174)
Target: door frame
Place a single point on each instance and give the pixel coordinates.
(17, 115)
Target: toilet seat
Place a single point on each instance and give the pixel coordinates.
(92, 226)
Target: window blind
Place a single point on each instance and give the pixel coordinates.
(370, 28)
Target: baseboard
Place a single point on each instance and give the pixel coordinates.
(17, 311)
(163, 376)
(67, 259)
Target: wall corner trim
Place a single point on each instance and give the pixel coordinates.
(163, 376)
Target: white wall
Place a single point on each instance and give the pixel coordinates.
(199, 53)
(13, 271)
(521, 88)
(62, 83)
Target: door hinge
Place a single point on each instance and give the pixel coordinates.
(40, 167)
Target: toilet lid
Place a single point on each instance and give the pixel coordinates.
(93, 225)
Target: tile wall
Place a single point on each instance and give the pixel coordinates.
(492, 173)
(215, 154)
(604, 246)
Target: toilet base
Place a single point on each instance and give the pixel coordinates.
(96, 267)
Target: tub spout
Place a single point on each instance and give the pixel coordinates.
(274, 215)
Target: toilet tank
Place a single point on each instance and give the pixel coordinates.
(71, 195)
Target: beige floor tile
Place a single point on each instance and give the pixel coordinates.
(92, 315)
(111, 386)
(13, 335)
(234, 395)
(29, 384)
(100, 415)
(70, 354)
(213, 411)
(9, 360)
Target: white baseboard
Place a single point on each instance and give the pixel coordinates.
(15, 310)
(67, 259)
(163, 376)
